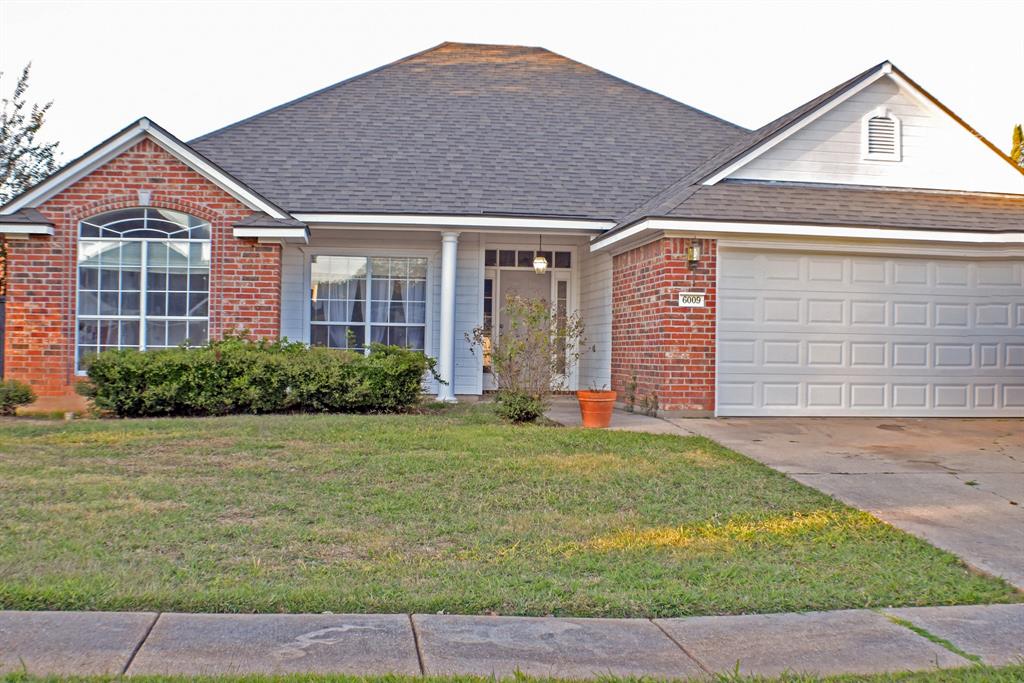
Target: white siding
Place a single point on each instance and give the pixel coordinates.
(937, 152)
(596, 310)
(591, 285)
(295, 286)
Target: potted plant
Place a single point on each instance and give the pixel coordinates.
(596, 406)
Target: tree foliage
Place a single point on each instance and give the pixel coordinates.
(24, 160)
(1017, 151)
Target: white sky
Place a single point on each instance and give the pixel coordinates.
(193, 66)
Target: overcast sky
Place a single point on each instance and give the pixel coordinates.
(193, 66)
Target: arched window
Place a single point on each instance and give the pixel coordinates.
(881, 136)
(143, 280)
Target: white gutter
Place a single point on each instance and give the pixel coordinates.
(429, 221)
(25, 229)
(714, 228)
(299, 235)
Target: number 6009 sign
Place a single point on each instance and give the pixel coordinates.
(693, 299)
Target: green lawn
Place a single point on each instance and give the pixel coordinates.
(422, 513)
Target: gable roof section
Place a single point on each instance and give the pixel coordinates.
(463, 129)
(684, 187)
(778, 130)
(705, 194)
(123, 140)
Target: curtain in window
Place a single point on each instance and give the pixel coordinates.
(356, 300)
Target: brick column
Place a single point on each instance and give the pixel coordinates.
(666, 350)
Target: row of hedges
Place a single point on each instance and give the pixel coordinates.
(242, 376)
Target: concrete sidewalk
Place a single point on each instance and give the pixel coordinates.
(565, 410)
(849, 641)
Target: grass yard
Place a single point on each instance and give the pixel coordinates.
(449, 511)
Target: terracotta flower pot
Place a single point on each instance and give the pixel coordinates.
(596, 408)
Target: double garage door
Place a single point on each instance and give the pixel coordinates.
(818, 334)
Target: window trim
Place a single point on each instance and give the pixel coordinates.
(142, 318)
(897, 153)
(429, 255)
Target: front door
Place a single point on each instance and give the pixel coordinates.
(501, 283)
(523, 283)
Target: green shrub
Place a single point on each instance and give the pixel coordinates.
(14, 394)
(237, 375)
(533, 356)
(518, 407)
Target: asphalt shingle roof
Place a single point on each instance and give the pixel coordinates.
(851, 206)
(471, 129)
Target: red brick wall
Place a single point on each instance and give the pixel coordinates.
(245, 276)
(669, 349)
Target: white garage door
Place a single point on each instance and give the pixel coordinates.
(814, 334)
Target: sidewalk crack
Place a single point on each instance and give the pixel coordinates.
(416, 642)
(928, 635)
(686, 652)
(138, 646)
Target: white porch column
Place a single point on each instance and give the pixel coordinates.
(446, 352)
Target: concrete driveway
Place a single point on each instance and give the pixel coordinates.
(959, 483)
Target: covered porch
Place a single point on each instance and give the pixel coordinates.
(427, 285)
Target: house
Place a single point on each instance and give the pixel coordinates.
(861, 255)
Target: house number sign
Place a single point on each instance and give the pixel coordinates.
(691, 299)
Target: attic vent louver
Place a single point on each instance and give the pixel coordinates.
(881, 136)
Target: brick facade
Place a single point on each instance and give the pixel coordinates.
(245, 276)
(668, 351)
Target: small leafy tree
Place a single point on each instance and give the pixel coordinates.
(24, 161)
(1017, 151)
(535, 351)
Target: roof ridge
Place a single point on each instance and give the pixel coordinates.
(449, 43)
(470, 44)
(327, 88)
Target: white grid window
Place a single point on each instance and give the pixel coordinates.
(143, 281)
(355, 301)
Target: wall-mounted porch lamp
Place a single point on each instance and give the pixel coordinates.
(693, 253)
(540, 263)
